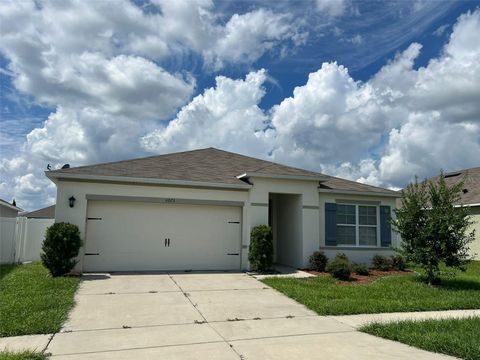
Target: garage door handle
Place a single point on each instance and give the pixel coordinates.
(236, 254)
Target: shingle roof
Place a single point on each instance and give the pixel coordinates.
(44, 213)
(206, 165)
(471, 177)
(335, 183)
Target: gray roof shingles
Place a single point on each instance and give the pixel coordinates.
(208, 165)
(471, 178)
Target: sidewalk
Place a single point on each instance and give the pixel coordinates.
(26, 342)
(360, 320)
(40, 342)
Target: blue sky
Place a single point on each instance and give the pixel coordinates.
(146, 77)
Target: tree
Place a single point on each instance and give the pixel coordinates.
(432, 227)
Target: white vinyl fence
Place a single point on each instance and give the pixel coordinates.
(21, 238)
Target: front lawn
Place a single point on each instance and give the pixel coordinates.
(458, 337)
(26, 355)
(387, 294)
(32, 302)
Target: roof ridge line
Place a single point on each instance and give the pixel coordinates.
(270, 163)
(356, 182)
(128, 160)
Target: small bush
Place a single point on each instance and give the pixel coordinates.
(398, 263)
(340, 267)
(361, 269)
(382, 263)
(60, 248)
(261, 248)
(318, 261)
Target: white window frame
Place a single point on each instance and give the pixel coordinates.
(357, 226)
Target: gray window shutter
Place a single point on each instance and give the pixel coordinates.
(385, 226)
(330, 224)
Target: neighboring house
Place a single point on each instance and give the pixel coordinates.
(8, 210)
(470, 197)
(43, 213)
(194, 210)
(8, 221)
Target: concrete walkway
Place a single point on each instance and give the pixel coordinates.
(283, 271)
(360, 320)
(22, 343)
(207, 316)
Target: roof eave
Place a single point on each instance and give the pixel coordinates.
(282, 176)
(136, 180)
(355, 192)
(10, 206)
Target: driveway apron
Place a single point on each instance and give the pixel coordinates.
(206, 316)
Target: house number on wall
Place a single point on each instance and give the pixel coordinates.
(170, 200)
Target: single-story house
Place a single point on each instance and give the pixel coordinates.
(469, 197)
(43, 213)
(8, 210)
(194, 210)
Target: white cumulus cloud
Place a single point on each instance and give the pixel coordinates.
(114, 99)
(99, 64)
(225, 116)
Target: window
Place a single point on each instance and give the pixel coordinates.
(346, 223)
(357, 225)
(367, 225)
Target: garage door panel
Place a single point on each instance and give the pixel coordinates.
(130, 236)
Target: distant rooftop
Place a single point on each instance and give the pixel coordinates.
(471, 188)
(9, 205)
(44, 213)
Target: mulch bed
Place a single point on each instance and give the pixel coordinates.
(362, 279)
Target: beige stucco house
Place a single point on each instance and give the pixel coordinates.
(8, 210)
(194, 211)
(470, 197)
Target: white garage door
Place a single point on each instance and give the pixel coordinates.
(137, 236)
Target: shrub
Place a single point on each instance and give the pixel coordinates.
(261, 248)
(398, 262)
(342, 256)
(361, 269)
(340, 267)
(382, 263)
(318, 261)
(60, 248)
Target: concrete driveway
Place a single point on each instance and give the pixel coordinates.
(206, 316)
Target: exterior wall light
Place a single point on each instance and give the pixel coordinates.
(71, 201)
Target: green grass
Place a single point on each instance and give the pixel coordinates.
(388, 294)
(458, 337)
(31, 301)
(26, 355)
